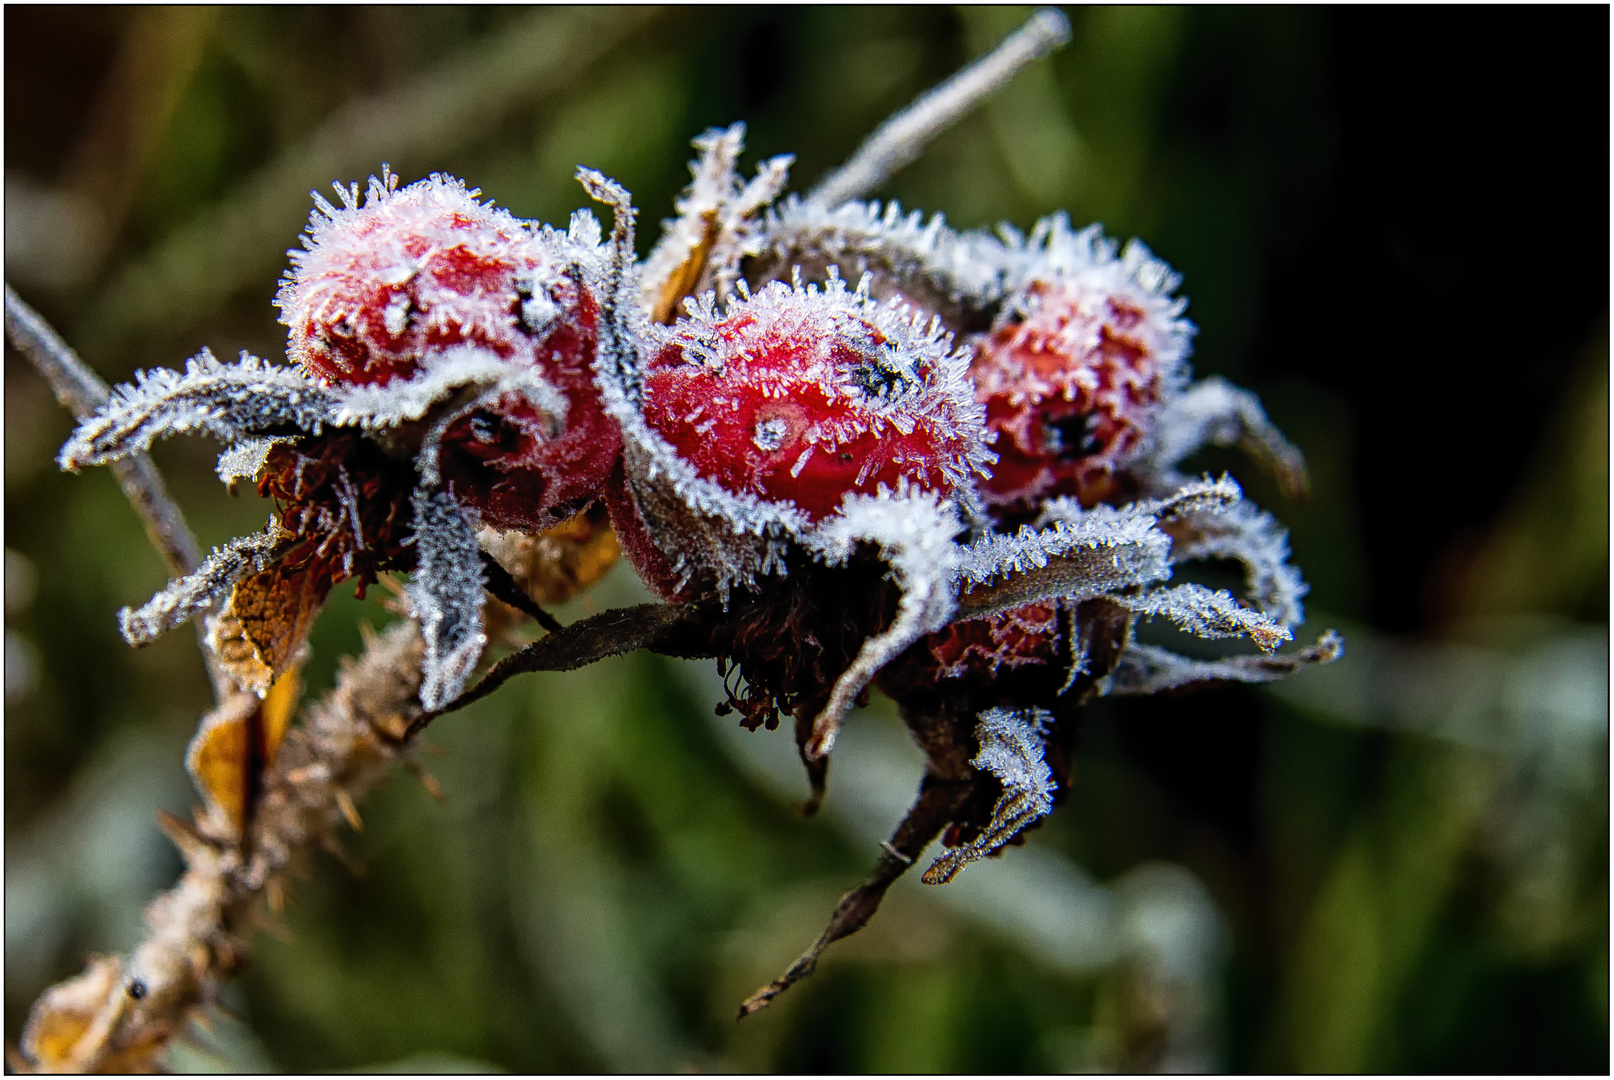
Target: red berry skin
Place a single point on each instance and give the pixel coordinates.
(409, 273)
(508, 463)
(1069, 390)
(385, 287)
(977, 650)
(793, 397)
(1074, 371)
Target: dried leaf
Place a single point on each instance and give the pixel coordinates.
(220, 757)
(276, 610)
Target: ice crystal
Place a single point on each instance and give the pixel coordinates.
(1209, 613)
(1011, 745)
(1081, 553)
(230, 402)
(247, 459)
(867, 391)
(438, 377)
(1249, 535)
(870, 394)
(1149, 669)
(383, 284)
(1073, 373)
(195, 593)
(717, 224)
(446, 596)
(922, 261)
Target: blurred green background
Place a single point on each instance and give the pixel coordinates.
(1399, 863)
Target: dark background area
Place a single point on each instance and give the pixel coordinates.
(1391, 223)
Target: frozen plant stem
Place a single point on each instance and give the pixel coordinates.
(81, 392)
(901, 139)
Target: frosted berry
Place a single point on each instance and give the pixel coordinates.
(1073, 372)
(412, 272)
(399, 287)
(805, 396)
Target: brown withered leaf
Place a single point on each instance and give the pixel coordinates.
(683, 280)
(275, 610)
(69, 1028)
(236, 742)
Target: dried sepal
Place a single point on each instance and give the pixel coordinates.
(1214, 412)
(266, 622)
(247, 459)
(1080, 553)
(1149, 669)
(1106, 549)
(230, 402)
(1011, 749)
(914, 533)
(1209, 613)
(446, 595)
(454, 372)
(924, 263)
(195, 593)
(717, 224)
(1251, 536)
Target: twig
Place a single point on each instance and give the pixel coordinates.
(938, 803)
(501, 586)
(901, 139)
(81, 392)
(120, 1014)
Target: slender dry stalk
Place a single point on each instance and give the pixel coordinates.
(121, 1013)
(901, 139)
(81, 392)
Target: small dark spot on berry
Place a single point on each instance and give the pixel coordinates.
(137, 989)
(1073, 435)
(881, 377)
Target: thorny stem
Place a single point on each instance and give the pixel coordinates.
(81, 392)
(938, 803)
(121, 1012)
(901, 139)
